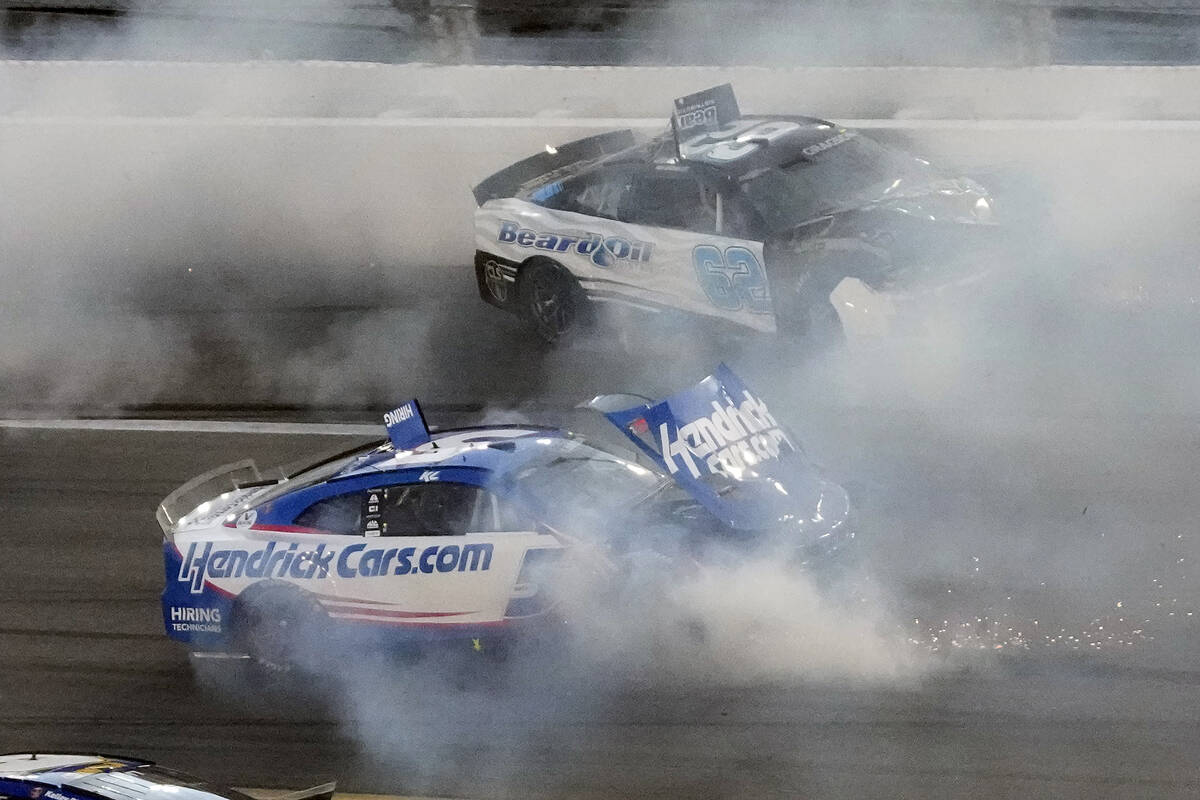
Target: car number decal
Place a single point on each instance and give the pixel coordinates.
(733, 280)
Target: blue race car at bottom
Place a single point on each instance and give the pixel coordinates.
(64, 776)
(480, 532)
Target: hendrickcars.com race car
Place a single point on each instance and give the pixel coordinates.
(751, 220)
(63, 776)
(475, 532)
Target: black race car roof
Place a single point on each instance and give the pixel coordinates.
(806, 139)
(526, 177)
(782, 150)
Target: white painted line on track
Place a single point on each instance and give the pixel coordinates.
(645, 123)
(337, 122)
(196, 426)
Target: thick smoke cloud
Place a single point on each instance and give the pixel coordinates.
(1017, 456)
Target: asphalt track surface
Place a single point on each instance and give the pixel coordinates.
(84, 665)
(1026, 487)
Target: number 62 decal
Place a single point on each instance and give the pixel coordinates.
(733, 279)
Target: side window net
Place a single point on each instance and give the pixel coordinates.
(671, 201)
(438, 509)
(426, 509)
(417, 509)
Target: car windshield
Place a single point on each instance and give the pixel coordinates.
(855, 171)
(572, 482)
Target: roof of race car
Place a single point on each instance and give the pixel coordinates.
(493, 448)
(783, 149)
(808, 137)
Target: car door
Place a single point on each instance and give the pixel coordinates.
(426, 552)
(702, 260)
(648, 235)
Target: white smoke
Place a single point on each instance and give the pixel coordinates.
(1016, 487)
(756, 621)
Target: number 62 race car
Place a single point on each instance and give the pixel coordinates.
(748, 221)
(475, 533)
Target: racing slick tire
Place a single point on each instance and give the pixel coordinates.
(281, 628)
(551, 300)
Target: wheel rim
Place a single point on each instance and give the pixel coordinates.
(550, 303)
(273, 645)
(271, 641)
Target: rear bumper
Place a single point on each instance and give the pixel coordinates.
(193, 611)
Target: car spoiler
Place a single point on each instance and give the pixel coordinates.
(203, 488)
(507, 181)
(322, 792)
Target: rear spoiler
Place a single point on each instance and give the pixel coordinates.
(507, 181)
(322, 792)
(203, 488)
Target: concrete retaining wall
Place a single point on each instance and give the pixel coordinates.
(328, 89)
(398, 192)
(199, 190)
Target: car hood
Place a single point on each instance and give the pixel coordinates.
(720, 442)
(942, 200)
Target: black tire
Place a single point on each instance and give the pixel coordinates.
(550, 300)
(281, 628)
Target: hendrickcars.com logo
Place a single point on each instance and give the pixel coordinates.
(203, 563)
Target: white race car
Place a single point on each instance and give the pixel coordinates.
(748, 221)
(472, 533)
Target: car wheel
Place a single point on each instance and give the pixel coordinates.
(280, 628)
(551, 302)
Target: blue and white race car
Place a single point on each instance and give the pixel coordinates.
(476, 532)
(64, 776)
(751, 223)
